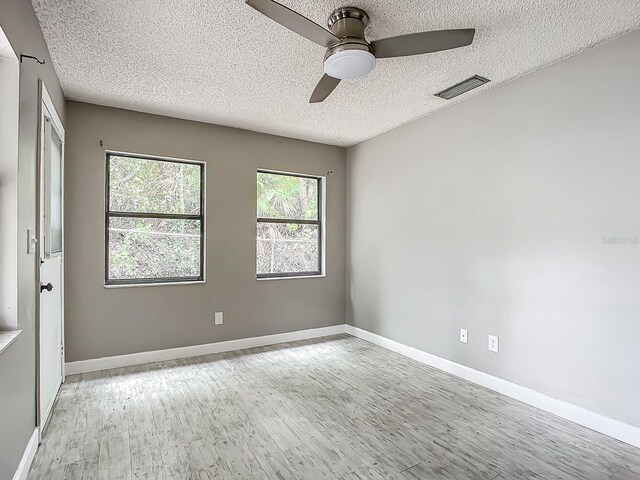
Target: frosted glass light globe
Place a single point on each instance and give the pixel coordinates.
(349, 64)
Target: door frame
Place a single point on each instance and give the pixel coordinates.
(46, 108)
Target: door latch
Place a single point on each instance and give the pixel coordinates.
(48, 287)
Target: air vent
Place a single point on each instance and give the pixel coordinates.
(462, 87)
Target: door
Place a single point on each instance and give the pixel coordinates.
(50, 241)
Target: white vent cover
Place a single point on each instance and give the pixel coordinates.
(462, 87)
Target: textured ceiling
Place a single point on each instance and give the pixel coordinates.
(220, 61)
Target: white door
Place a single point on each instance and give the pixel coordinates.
(50, 322)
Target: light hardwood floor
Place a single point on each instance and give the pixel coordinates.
(332, 408)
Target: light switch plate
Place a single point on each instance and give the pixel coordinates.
(218, 318)
(493, 343)
(463, 335)
(32, 242)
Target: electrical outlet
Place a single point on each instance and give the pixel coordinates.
(463, 335)
(493, 343)
(218, 318)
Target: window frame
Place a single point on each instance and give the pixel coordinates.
(120, 214)
(319, 222)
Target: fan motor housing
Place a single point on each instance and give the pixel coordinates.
(348, 44)
(353, 56)
(348, 24)
(345, 22)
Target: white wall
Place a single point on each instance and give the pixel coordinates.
(9, 88)
(515, 213)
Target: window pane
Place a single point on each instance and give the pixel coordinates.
(55, 201)
(153, 186)
(287, 248)
(153, 248)
(285, 196)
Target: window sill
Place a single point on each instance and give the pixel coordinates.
(7, 338)
(163, 284)
(291, 278)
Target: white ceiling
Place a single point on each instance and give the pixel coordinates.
(220, 61)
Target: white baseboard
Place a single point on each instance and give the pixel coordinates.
(608, 426)
(106, 363)
(600, 423)
(27, 457)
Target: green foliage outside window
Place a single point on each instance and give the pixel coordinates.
(290, 247)
(154, 219)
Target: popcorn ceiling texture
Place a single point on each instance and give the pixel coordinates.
(220, 61)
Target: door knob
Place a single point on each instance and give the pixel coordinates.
(48, 287)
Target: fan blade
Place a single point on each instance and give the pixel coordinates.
(295, 22)
(325, 86)
(424, 42)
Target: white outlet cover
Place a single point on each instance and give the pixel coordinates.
(493, 343)
(464, 335)
(218, 318)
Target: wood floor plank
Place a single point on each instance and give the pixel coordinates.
(330, 408)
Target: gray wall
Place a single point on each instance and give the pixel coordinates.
(496, 215)
(17, 363)
(103, 321)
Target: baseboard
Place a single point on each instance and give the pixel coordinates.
(600, 423)
(27, 457)
(118, 361)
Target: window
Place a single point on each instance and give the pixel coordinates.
(53, 199)
(154, 220)
(289, 241)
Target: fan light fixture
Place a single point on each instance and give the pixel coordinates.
(349, 54)
(349, 64)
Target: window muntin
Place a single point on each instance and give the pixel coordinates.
(154, 220)
(289, 225)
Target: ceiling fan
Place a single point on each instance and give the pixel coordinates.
(349, 55)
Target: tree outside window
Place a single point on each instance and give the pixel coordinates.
(289, 225)
(154, 220)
